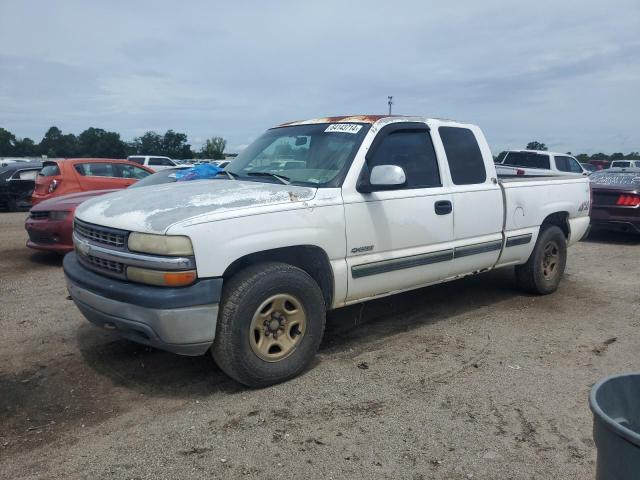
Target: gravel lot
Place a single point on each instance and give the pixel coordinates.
(472, 379)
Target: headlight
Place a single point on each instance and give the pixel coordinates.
(173, 245)
(58, 215)
(162, 279)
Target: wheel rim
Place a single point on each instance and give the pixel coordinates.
(277, 327)
(550, 260)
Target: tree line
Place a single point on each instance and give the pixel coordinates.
(581, 157)
(100, 143)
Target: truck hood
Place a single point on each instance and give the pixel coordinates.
(155, 208)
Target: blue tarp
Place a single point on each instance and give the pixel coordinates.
(199, 172)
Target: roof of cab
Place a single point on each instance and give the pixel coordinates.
(371, 119)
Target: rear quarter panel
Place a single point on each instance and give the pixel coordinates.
(528, 202)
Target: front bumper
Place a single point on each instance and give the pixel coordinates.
(48, 235)
(179, 320)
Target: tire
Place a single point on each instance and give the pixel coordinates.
(268, 304)
(544, 269)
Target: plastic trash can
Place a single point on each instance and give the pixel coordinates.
(615, 403)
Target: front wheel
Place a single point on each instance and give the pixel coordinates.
(544, 269)
(270, 324)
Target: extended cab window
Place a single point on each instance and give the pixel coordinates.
(466, 163)
(527, 160)
(413, 151)
(138, 160)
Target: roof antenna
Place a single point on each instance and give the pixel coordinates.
(390, 97)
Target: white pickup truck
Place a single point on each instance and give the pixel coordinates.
(247, 264)
(538, 163)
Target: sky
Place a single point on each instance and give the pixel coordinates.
(566, 73)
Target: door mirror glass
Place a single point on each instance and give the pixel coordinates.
(387, 176)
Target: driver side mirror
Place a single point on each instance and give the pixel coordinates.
(383, 177)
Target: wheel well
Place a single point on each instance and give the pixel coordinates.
(309, 258)
(560, 219)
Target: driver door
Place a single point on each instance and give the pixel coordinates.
(399, 238)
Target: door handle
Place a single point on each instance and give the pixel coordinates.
(443, 207)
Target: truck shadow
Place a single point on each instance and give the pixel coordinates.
(157, 373)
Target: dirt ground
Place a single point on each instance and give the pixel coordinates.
(471, 379)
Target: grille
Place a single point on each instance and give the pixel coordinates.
(102, 235)
(39, 215)
(40, 237)
(102, 264)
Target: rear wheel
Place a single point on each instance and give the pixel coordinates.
(544, 269)
(270, 324)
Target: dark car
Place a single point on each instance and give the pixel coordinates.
(17, 181)
(616, 199)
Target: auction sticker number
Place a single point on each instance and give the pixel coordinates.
(343, 128)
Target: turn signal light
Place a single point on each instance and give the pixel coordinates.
(161, 279)
(628, 200)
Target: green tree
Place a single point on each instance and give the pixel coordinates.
(98, 143)
(632, 155)
(582, 158)
(535, 145)
(617, 156)
(213, 148)
(55, 144)
(148, 144)
(25, 147)
(7, 143)
(599, 156)
(174, 145)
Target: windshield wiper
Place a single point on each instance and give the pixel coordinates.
(230, 174)
(281, 178)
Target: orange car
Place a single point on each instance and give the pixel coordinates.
(60, 177)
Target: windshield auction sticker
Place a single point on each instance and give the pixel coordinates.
(343, 128)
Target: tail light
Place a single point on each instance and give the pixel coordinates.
(53, 185)
(628, 200)
(519, 171)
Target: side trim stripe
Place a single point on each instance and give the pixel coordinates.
(385, 266)
(477, 248)
(519, 240)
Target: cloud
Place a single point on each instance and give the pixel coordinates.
(565, 73)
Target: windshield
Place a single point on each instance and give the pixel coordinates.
(316, 155)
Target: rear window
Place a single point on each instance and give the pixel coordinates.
(25, 175)
(527, 160)
(160, 161)
(50, 170)
(621, 164)
(463, 154)
(138, 160)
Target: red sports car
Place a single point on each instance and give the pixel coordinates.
(50, 222)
